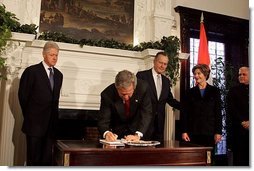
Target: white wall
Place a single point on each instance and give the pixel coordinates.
(27, 11)
(234, 8)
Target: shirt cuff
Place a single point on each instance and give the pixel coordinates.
(104, 135)
(139, 134)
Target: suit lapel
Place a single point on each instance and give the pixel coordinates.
(133, 103)
(207, 91)
(45, 76)
(120, 108)
(164, 86)
(57, 82)
(56, 79)
(152, 83)
(119, 105)
(197, 92)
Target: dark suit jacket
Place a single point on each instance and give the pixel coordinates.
(159, 105)
(112, 115)
(38, 102)
(238, 111)
(202, 115)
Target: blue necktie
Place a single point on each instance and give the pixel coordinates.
(51, 78)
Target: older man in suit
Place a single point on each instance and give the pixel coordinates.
(39, 92)
(238, 119)
(125, 110)
(159, 87)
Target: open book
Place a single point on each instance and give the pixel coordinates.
(118, 142)
(122, 142)
(142, 143)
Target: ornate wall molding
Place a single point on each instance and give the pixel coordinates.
(13, 53)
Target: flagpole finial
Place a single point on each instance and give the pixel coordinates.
(202, 18)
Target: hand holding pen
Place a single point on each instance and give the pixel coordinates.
(110, 136)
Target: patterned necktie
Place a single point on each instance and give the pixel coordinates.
(158, 86)
(51, 78)
(127, 108)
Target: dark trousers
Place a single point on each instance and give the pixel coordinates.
(204, 140)
(39, 151)
(241, 151)
(158, 133)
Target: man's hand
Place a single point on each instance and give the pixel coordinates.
(217, 138)
(245, 124)
(132, 137)
(185, 137)
(110, 136)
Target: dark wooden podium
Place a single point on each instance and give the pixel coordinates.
(93, 153)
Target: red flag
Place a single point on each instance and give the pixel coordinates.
(203, 53)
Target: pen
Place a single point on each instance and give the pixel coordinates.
(116, 136)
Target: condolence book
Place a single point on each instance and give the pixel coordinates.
(118, 142)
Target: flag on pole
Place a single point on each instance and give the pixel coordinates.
(203, 52)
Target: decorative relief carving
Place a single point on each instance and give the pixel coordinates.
(160, 6)
(139, 21)
(162, 28)
(163, 21)
(13, 54)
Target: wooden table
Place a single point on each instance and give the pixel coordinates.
(93, 153)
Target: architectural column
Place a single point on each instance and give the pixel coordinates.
(162, 20)
(173, 115)
(152, 20)
(140, 21)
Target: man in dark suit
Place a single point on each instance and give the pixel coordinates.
(39, 92)
(238, 119)
(159, 87)
(125, 110)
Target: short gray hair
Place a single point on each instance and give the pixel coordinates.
(160, 53)
(48, 45)
(124, 79)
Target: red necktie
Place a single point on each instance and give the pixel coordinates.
(127, 108)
